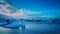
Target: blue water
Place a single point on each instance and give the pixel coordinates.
(33, 28)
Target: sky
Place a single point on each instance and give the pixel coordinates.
(40, 7)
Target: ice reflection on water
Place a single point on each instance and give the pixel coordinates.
(34, 28)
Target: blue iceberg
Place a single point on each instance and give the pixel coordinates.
(8, 22)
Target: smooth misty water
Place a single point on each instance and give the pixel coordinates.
(34, 28)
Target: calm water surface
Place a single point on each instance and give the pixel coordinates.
(33, 28)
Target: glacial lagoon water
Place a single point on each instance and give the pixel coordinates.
(33, 28)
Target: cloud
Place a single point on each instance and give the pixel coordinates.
(8, 10)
